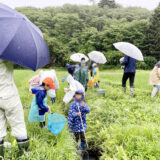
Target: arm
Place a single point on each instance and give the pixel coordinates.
(56, 83)
(95, 71)
(76, 75)
(40, 96)
(125, 61)
(159, 73)
(86, 109)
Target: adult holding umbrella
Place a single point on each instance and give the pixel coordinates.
(21, 43)
(132, 54)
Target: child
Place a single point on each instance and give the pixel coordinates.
(95, 75)
(38, 107)
(78, 109)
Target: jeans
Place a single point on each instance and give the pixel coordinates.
(131, 77)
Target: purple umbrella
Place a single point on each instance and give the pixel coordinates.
(21, 42)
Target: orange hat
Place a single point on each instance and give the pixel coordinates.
(49, 82)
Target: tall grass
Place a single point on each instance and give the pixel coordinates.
(120, 127)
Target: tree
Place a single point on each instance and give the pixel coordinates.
(109, 3)
(154, 32)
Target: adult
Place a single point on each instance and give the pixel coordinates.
(11, 109)
(154, 79)
(129, 73)
(73, 87)
(81, 75)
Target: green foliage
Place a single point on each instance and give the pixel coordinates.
(72, 28)
(43, 144)
(121, 127)
(154, 32)
(109, 3)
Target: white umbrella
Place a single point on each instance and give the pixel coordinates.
(97, 57)
(78, 56)
(129, 50)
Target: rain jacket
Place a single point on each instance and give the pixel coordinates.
(74, 121)
(40, 95)
(95, 75)
(73, 86)
(81, 75)
(155, 75)
(71, 68)
(7, 85)
(130, 64)
(11, 109)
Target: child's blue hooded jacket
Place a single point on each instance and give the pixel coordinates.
(40, 94)
(74, 121)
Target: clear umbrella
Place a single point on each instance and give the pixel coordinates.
(78, 56)
(129, 50)
(97, 57)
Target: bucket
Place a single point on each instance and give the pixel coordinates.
(101, 92)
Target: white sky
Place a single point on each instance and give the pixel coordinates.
(149, 4)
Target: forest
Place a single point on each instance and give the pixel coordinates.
(70, 29)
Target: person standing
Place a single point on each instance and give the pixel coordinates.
(95, 75)
(77, 122)
(154, 79)
(129, 73)
(81, 75)
(11, 109)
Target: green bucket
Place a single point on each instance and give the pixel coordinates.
(101, 92)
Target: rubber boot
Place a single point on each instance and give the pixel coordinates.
(83, 146)
(53, 100)
(1, 151)
(42, 124)
(97, 85)
(23, 145)
(154, 92)
(131, 92)
(124, 89)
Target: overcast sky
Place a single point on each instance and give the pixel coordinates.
(149, 4)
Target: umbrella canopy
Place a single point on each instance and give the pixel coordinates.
(78, 56)
(129, 50)
(97, 57)
(22, 42)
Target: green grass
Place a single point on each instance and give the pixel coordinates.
(119, 127)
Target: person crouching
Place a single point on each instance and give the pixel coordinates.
(77, 117)
(39, 103)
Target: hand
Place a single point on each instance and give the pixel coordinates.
(68, 90)
(79, 114)
(82, 104)
(49, 110)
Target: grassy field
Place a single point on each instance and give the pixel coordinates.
(119, 127)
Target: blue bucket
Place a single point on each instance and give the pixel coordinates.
(56, 123)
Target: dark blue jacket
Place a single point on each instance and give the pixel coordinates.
(130, 64)
(40, 94)
(71, 68)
